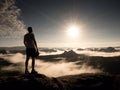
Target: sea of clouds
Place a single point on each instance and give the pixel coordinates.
(55, 69)
(51, 69)
(97, 53)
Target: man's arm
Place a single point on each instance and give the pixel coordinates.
(24, 41)
(35, 41)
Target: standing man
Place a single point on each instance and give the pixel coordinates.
(31, 49)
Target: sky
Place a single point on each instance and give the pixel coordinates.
(97, 22)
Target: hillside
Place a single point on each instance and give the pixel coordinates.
(100, 81)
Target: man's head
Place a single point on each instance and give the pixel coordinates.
(30, 29)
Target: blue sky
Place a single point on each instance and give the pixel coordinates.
(98, 22)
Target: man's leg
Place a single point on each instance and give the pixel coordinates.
(26, 64)
(33, 63)
(33, 66)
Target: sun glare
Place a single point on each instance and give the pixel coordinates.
(73, 31)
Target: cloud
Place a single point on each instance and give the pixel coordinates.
(51, 69)
(10, 23)
(97, 53)
(64, 68)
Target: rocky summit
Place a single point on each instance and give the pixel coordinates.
(100, 81)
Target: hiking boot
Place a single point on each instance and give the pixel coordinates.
(26, 73)
(34, 72)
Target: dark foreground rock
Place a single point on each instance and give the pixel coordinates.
(15, 81)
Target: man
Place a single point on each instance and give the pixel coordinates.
(31, 48)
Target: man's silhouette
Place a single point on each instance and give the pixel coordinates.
(31, 48)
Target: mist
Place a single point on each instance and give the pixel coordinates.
(97, 53)
(51, 69)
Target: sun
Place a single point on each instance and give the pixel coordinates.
(73, 31)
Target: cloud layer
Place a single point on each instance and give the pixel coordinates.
(10, 23)
(97, 53)
(51, 69)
